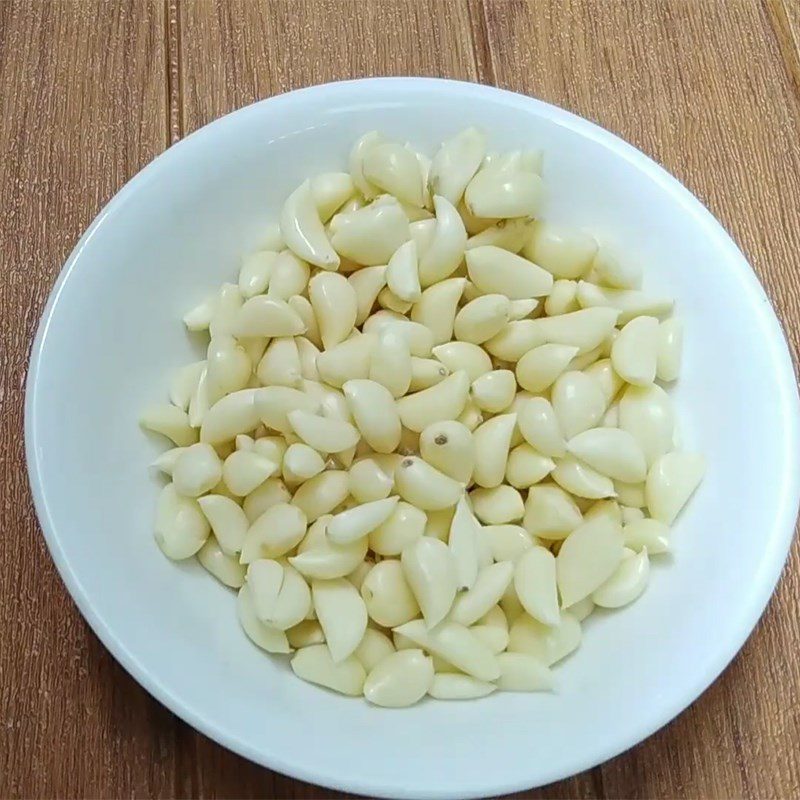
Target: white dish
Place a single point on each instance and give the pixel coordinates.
(110, 333)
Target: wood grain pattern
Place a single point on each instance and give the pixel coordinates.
(92, 90)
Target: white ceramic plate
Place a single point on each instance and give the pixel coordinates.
(111, 334)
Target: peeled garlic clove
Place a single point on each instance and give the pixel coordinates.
(401, 679)
(515, 339)
(402, 273)
(169, 421)
(356, 162)
(373, 648)
(301, 462)
(330, 191)
(587, 559)
(234, 414)
(581, 480)
(184, 384)
(520, 672)
(615, 271)
(497, 505)
(228, 522)
(226, 569)
(322, 493)
(626, 584)
(496, 271)
(305, 634)
(670, 346)
(275, 532)
(267, 316)
(541, 366)
(367, 284)
(603, 372)
(449, 447)
(612, 452)
(390, 363)
(563, 298)
(302, 229)
(390, 301)
(293, 603)
(535, 584)
(519, 309)
(604, 508)
(635, 351)
(566, 253)
(335, 305)
(489, 586)
(482, 318)
(316, 665)
(455, 163)
(498, 194)
(506, 542)
(375, 414)
(345, 361)
(436, 308)
(539, 425)
(526, 466)
(370, 235)
(393, 168)
(265, 636)
(548, 643)
(420, 484)
(404, 525)
(494, 391)
(584, 329)
(444, 401)
(629, 302)
(264, 579)
(550, 513)
(455, 644)
(181, 529)
(646, 412)
(455, 686)
(341, 613)
(463, 356)
(272, 405)
(463, 544)
(649, 534)
(354, 523)
(430, 571)
(245, 470)
(280, 365)
(370, 480)
(199, 317)
(387, 594)
(325, 434)
(578, 402)
(670, 483)
(446, 249)
(510, 234)
(197, 470)
(327, 560)
(492, 442)
(289, 276)
(418, 337)
(226, 311)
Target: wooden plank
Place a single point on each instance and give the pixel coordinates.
(708, 89)
(82, 108)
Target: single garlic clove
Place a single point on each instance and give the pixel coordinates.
(367, 284)
(301, 462)
(463, 356)
(494, 391)
(490, 585)
(322, 493)
(520, 672)
(482, 318)
(629, 302)
(226, 569)
(181, 529)
(265, 636)
(565, 252)
(302, 229)
(370, 235)
(271, 492)
(526, 466)
(626, 584)
(563, 299)
(228, 522)
(539, 425)
(245, 470)
(316, 665)
(373, 648)
(330, 191)
(401, 679)
(280, 364)
(418, 337)
(498, 194)
(430, 571)
(391, 364)
(267, 316)
(197, 470)
(509, 234)
(289, 276)
(341, 613)
(584, 329)
(326, 560)
(402, 273)
(449, 447)
(548, 643)
(494, 270)
(277, 531)
(578, 402)
(404, 525)
(356, 162)
(325, 434)
(670, 346)
(670, 483)
(388, 597)
(540, 367)
(455, 163)
(184, 384)
(393, 168)
(372, 479)
(550, 513)
(646, 412)
(302, 307)
(441, 257)
(492, 443)
(612, 270)
(497, 505)
(644, 533)
(169, 421)
(335, 305)
(361, 520)
(535, 584)
(581, 480)
(226, 311)
(444, 401)
(635, 351)
(437, 306)
(375, 413)
(455, 686)
(420, 484)
(506, 542)
(612, 452)
(463, 544)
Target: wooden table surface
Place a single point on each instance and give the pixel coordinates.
(92, 91)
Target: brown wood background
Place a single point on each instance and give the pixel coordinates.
(91, 91)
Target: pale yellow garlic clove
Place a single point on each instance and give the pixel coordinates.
(245, 470)
(271, 492)
(482, 318)
(494, 391)
(307, 353)
(166, 461)
(272, 447)
(509, 234)
(228, 522)
(228, 367)
(436, 308)
(455, 163)
(405, 525)
(350, 525)
(301, 462)
(389, 301)
(515, 339)
(426, 372)
(302, 307)
(264, 579)
(225, 568)
(494, 270)
(603, 372)
(535, 584)
(289, 276)
(563, 298)
(234, 414)
(169, 421)
(401, 679)
(181, 528)
(375, 413)
(226, 311)
(631, 494)
(390, 363)
(394, 169)
(356, 162)
(455, 644)
(578, 402)
(497, 505)
(670, 347)
(387, 594)
(370, 480)
(612, 452)
(496, 193)
(449, 446)
(444, 401)
(471, 416)
(635, 351)
(277, 531)
(370, 235)
(197, 470)
(280, 365)
(464, 356)
(588, 558)
(612, 270)
(548, 643)
(604, 508)
(326, 560)
(267, 316)
(291, 604)
(342, 615)
(626, 584)
(455, 686)
(441, 257)
(367, 284)
(347, 360)
(418, 337)
(199, 318)
(430, 571)
(520, 309)
(373, 648)
(646, 412)
(526, 466)
(322, 493)
(584, 329)
(647, 534)
(520, 672)
(274, 403)
(463, 544)
(538, 368)
(324, 434)
(490, 584)
(422, 232)
(492, 443)
(539, 425)
(581, 480)
(184, 384)
(550, 513)
(630, 303)
(330, 191)
(507, 542)
(335, 305)
(565, 252)
(302, 229)
(420, 484)
(671, 481)
(315, 664)
(305, 633)
(402, 273)
(265, 636)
